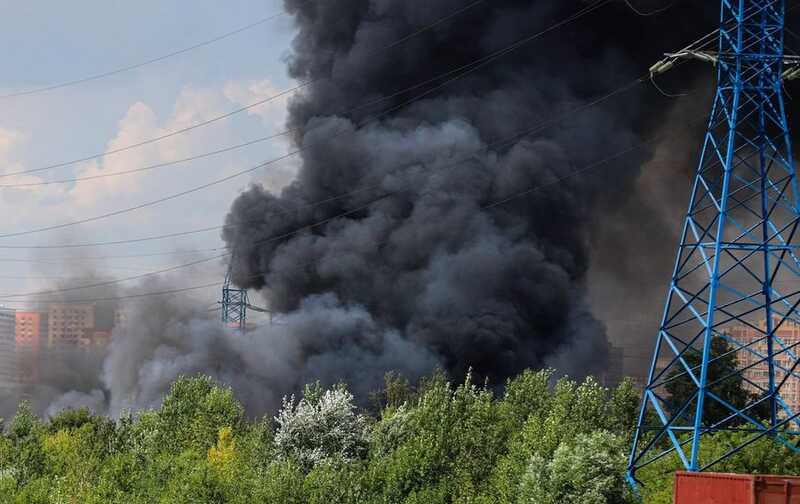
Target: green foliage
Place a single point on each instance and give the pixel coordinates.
(727, 384)
(193, 412)
(543, 441)
(586, 470)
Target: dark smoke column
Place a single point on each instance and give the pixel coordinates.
(497, 290)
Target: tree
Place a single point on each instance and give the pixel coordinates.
(320, 427)
(727, 384)
(588, 469)
(193, 412)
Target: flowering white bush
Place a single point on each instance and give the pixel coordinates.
(321, 428)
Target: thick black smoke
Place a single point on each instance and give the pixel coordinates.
(420, 270)
(496, 289)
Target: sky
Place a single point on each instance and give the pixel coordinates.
(56, 42)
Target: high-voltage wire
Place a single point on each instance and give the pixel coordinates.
(148, 167)
(170, 269)
(233, 147)
(282, 236)
(258, 103)
(653, 12)
(142, 63)
(495, 144)
(487, 206)
(453, 75)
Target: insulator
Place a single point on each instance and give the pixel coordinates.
(791, 73)
(661, 67)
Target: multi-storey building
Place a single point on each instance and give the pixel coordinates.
(29, 337)
(756, 372)
(71, 324)
(28, 329)
(8, 358)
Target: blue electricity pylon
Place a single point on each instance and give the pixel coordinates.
(234, 304)
(732, 302)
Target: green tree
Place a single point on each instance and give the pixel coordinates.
(585, 470)
(193, 412)
(726, 384)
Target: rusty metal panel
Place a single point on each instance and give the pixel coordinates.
(723, 488)
(714, 488)
(778, 489)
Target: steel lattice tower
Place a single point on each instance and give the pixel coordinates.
(234, 304)
(736, 280)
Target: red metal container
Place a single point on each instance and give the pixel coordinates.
(722, 488)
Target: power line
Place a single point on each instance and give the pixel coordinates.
(456, 74)
(148, 167)
(142, 63)
(495, 144)
(277, 237)
(120, 256)
(215, 119)
(158, 138)
(653, 12)
(56, 263)
(121, 298)
(225, 149)
(301, 229)
(487, 206)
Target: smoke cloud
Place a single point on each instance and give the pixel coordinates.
(413, 267)
(494, 288)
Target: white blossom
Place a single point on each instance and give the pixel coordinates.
(320, 429)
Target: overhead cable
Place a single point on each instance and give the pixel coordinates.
(452, 75)
(239, 110)
(141, 64)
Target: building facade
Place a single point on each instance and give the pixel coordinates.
(29, 329)
(8, 358)
(70, 324)
(756, 372)
(29, 339)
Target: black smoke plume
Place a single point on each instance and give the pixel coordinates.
(420, 269)
(495, 288)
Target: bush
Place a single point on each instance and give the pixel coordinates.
(586, 470)
(323, 426)
(193, 412)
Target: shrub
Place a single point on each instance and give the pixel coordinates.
(586, 470)
(193, 412)
(320, 427)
